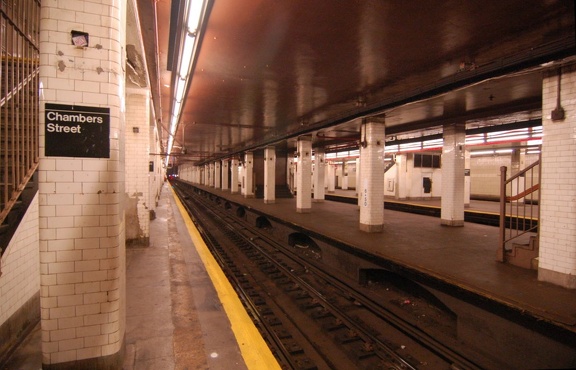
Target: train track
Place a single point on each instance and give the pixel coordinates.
(311, 318)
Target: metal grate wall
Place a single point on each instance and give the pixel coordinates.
(19, 107)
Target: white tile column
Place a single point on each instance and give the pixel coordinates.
(225, 174)
(81, 205)
(557, 260)
(304, 175)
(371, 187)
(234, 176)
(249, 175)
(401, 190)
(452, 203)
(137, 195)
(217, 175)
(331, 177)
(211, 177)
(467, 182)
(319, 174)
(357, 181)
(269, 175)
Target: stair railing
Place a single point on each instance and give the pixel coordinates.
(519, 205)
(19, 107)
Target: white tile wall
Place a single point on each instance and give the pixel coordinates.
(81, 230)
(304, 175)
(453, 153)
(558, 182)
(371, 187)
(20, 278)
(137, 150)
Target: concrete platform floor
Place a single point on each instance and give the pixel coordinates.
(174, 316)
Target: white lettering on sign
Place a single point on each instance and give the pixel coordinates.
(54, 127)
(73, 117)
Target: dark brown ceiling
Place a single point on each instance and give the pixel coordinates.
(270, 70)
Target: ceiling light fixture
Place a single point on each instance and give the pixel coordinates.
(195, 16)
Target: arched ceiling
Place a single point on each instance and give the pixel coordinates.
(269, 70)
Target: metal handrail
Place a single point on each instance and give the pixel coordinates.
(518, 224)
(19, 106)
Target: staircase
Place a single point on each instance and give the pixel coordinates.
(519, 216)
(524, 254)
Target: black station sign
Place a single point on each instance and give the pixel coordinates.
(77, 131)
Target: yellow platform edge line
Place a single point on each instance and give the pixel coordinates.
(254, 349)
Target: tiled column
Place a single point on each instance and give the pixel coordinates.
(269, 175)
(319, 174)
(234, 176)
(467, 182)
(81, 205)
(217, 175)
(401, 176)
(452, 204)
(517, 163)
(206, 181)
(358, 171)
(249, 175)
(303, 175)
(557, 262)
(137, 195)
(371, 187)
(225, 174)
(331, 177)
(345, 175)
(212, 175)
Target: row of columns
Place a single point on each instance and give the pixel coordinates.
(370, 175)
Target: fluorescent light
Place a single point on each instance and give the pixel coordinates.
(176, 108)
(482, 152)
(179, 92)
(186, 57)
(187, 54)
(194, 15)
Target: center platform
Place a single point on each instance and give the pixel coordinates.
(461, 256)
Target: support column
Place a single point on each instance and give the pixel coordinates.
(137, 195)
(249, 175)
(331, 177)
(517, 163)
(401, 186)
(452, 204)
(206, 181)
(467, 182)
(371, 187)
(357, 181)
(225, 174)
(217, 174)
(212, 175)
(303, 175)
(234, 176)
(81, 197)
(269, 175)
(319, 174)
(557, 260)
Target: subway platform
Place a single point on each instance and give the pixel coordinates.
(461, 256)
(175, 312)
(180, 313)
